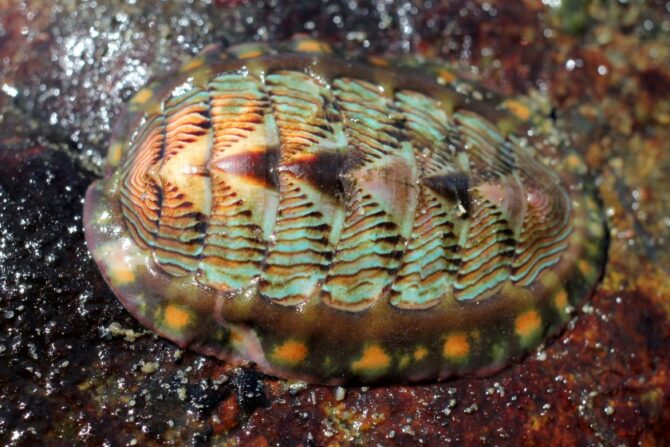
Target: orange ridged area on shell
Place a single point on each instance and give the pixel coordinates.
(182, 173)
(140, 200)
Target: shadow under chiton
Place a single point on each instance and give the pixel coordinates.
(340, 221)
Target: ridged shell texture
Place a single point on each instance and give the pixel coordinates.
(344, 192)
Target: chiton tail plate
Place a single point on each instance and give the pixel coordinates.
(342, 221)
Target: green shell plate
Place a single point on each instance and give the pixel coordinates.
(342, 221)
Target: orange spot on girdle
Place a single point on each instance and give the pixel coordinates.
(527, 323)
(236, 336)
(520, 110)
(176, 317)
(456, 346)
(290, 352)
(193, 64)
(311, 46)
(420, 353)
(585, 267)
(123, 276)
(374, 358)
(561, 300)
(379, 61)
(250, 54)
(142, 96)
(446, 76)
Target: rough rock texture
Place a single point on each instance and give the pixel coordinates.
(76, 369)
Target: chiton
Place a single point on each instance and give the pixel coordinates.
(338, 220)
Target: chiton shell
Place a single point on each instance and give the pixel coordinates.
(342, 221)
